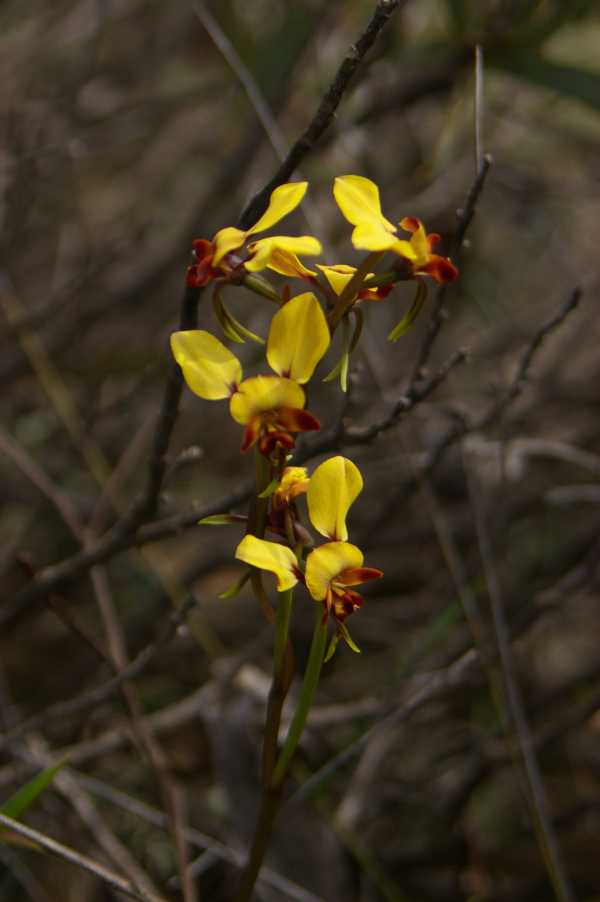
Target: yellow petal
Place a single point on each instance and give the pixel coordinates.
(338, 275)
(406, 249)
(262, 393)
(333, 488)
(283, 200)
(358, 199)
(279, 248)
(288, 264)
(298, 338)
(225, 241)
(294, 482)
(372, 236)
(270, 556)
(328, 561)
(209, 368)
(420, 245)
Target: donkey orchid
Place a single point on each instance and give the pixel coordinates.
(216, 259)
(270, 407)
(333, 567)
(358, 199)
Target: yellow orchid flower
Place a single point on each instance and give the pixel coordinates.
(330, 570)
(358, 199)
(212, 257)
(333, 488)
(271, 407)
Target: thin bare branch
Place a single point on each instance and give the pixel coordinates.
(326, 111)
(514, 703)
(436, 320)
(96, 696)
(478, 107)
(107, 876)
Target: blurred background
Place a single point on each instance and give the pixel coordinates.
(130, 128)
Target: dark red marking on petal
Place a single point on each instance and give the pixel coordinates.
(410, 224)
(250, 433)
(273, 439)
(296, 420)
(440, 268)
(356, 575)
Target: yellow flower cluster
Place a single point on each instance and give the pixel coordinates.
(271, 407)
(332, 568)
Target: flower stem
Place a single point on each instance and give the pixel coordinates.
(268, 811)
(311, 679)
(272, 792)
(282, 672)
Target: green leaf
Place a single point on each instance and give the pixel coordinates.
(331, 648)
(233, 590)
(580, 84)
(270, 489)
(232, 328)
(241, 329)
(219, 520)
(349, 342)
(345, 635)
(406, 322)
(27, 794)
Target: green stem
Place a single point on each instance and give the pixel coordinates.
(311, 679)
(350, 292)
(279, 686)
(268, 812)
(257, 520)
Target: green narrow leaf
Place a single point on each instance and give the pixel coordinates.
(358, 327)
(345, 635)
(232, 328)
(270, 489)
(233, 590)
(407, 321)
(344, 372)
(331, 648)
(221, 520)
(241, 329)
(223, 318)
(348, 345)
(579, 84)
(27, 794)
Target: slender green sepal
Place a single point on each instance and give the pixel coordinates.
(260, 285)
(270, 489)
(406, 322)
(222, 520)
(236, 588)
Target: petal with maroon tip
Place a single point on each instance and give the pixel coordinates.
(439, 268)
(325, 563)
(355, 576)
(297, 420)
